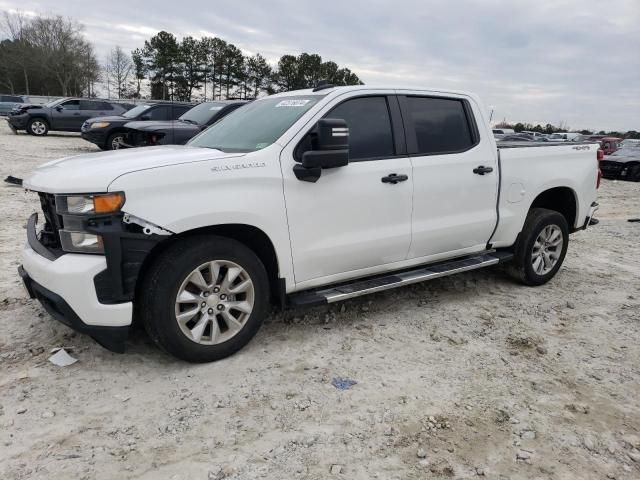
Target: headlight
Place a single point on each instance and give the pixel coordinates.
(81, 242)
(99, 125)
(89, 204)
(75, 210)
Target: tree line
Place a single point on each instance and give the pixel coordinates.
(215, 69)
(549, 128)
(48, 55)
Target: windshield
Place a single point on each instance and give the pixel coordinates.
(53, 103)
(202, 113)
(135, 111)
(256, 125)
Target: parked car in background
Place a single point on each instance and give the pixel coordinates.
(180, 131)
(109, 132)
(8, 103)
(623, 164)
(564, 137)
(65, 115)
(516, 137)
(503, 131)
(535, 135)
(610, 144)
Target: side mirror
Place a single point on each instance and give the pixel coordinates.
(145, 117)
(59, 108)
(330, 149)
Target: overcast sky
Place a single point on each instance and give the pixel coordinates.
(575, 61)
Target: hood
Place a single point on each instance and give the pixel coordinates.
(161, 125)
(20, 108)
(111, 118)
(94, 172)
(624, 155)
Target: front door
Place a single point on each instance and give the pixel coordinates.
(351, 222)
(65, 115)
(455, 176)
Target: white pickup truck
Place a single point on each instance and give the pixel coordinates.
(301, 198)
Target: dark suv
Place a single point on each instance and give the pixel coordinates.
(65, 115)
(108, 133)
(180, 131)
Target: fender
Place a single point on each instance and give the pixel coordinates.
(243, 190)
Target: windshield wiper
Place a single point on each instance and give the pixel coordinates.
(188, 120)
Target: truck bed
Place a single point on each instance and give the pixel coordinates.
(528, 168)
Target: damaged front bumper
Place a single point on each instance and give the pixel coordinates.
(65, 288)
(91, 293)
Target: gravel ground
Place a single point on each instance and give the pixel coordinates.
(464, 377)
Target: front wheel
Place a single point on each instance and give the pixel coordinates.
(541, 247)
(204, 298)
(38, 127)
(115, 141)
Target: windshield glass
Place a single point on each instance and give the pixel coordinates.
(135, 111)
(202, 113)
(53, 103)
(255, 125)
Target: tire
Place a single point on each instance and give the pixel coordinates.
(169, 276)
(633, 173)
(38, 127)
(526, 266)
(114, 142)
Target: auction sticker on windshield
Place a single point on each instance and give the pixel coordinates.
(292, 103)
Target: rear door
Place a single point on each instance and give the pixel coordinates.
(455, 176)
(350, 222)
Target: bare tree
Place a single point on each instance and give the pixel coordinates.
(17, 51)
(61, 47)
(118, 68)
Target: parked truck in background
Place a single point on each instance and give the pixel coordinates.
(301, 198)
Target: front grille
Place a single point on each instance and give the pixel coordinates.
(50, 234)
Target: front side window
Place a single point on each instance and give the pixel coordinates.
(369, 122)
(255, 125)
(71, 105)
(441, 125)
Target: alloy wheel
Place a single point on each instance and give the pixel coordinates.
(214, 302)
(547, 249)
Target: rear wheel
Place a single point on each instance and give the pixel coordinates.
(541, 247)
(204, 298)
(38, 127)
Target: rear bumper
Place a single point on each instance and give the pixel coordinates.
(65, 287)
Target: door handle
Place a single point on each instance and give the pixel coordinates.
(394, 178)
(481, 170)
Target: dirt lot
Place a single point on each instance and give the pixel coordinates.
(465, 377)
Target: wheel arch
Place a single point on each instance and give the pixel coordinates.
(563, 200)
(39, 116)
(252, 237)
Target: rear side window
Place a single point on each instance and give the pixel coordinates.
(441, 125)
(157, 113)
(369, 122)
(104, 106)
(89, 105)
(9, 98)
